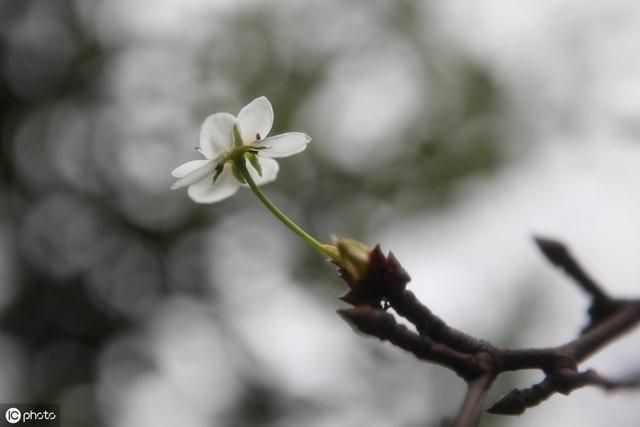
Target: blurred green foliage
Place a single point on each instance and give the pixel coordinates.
(456, 139)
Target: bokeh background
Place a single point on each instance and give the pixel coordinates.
(448, 131)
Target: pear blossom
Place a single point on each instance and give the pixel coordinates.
(224, 140)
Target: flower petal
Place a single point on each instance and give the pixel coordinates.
(270, 170)
(205, 191)
(215, 134)
(187, 168)
(191, 175)
(284, 145)
(256, 118)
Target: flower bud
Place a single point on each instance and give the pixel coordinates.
(353, 256)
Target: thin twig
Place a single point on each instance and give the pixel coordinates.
(558, 254)
(469, 414)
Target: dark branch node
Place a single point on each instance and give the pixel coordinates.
(385, 279)
(599, 311)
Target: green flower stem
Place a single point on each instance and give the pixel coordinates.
(327, 250)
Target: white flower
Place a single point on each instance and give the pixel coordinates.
(225, 139)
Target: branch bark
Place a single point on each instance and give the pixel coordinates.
(469, 414)
(478, 362)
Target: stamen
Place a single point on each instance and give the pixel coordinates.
(199, 150)
(258, 138)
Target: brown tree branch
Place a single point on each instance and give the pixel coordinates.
(558, 254)
(383, 326)
(517, 401)
(469, 414)
(479, 362)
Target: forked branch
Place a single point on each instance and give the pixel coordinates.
(478, 362)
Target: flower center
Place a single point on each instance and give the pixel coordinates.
(234, 154)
